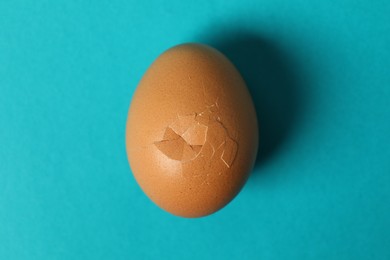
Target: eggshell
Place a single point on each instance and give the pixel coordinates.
(191, 134)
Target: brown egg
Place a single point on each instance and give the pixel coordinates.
(192, 133)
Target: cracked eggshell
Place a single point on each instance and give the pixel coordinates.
(192, 133)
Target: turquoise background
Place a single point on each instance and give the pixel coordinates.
(319, 72)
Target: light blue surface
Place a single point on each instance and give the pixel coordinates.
(320, 75)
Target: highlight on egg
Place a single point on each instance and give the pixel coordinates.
(191, 132)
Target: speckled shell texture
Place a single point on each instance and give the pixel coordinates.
(192, 133)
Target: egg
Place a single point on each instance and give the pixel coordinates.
(191, 132)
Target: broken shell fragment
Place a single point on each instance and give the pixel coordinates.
(192, 133)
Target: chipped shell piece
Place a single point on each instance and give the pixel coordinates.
(191, 133)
